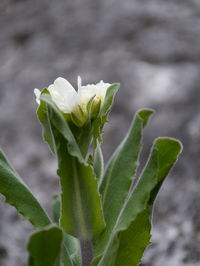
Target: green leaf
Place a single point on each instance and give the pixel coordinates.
(136, 213)
(133, 241)
(81, 210)
(43, 115)
(19, 195)
(98, 123)
(56, 119)
(66, 261)
(85, 138)
(108, 101)
(81, 214)
(45, 247)
(71, 244)
(120, 172)
(98, 163)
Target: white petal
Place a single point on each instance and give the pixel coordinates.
(71, 100)
(37, 95)
(85, 94)
(102, 88)
(63, 94)
(65, 104)
(63, 84)
(98, 89)
(79, 82)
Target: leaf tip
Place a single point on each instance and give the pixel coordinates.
(172, 142)
(145, 114)
(168, 150)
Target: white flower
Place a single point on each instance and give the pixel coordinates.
(69, 101)
(62, 93)
(87, 92)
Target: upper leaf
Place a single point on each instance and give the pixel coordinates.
(43, 115)
(101, 119)
(119, 175)
(108, 101)
(54, 117)
(19, 195)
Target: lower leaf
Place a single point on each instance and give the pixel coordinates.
(131, 233)
(19, 195)
(71, 244)
(45, 246)
(133, 241)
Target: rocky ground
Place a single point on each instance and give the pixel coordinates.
(152, 48)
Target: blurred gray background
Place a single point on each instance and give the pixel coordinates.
(152, 47)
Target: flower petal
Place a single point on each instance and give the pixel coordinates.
(79, 82)
(37, 95)
(62, 84)
(90, 90)
(63, 95)
(101, 89)
(85, 94)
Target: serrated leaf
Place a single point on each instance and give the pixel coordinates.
(19, 195)
(164, 154)
(56, 119)
(81, 214)
(45, 247)
(133, 241)
(43, 115)
(81, 209)
(98, 123)
(108, 101)
(119, 175)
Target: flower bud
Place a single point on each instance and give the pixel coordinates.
(79, 116)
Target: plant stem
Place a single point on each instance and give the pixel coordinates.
(86, 252)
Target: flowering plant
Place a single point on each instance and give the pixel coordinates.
(99, 218)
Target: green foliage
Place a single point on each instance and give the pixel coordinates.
(138, 207)
(19, 195)
(50, 117)
(133, 241)
(119, 175)
(81, 214)
(71, 244)
(45, 246)
(97, 207)
(98, 123)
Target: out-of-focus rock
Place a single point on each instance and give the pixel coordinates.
(152, 48)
